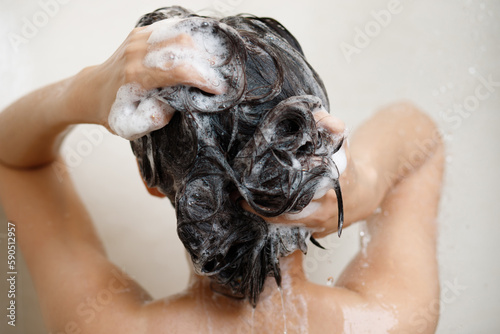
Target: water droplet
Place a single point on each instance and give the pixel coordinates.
(212, 62)
(204, 24)
(283, 307)
(329, 281)
(364, 237)
(253, 318)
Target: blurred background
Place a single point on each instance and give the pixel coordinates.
(442, 55)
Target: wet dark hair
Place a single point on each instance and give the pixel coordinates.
(258, 142)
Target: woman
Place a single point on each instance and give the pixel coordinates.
(394, 163)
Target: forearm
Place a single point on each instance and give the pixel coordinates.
(33, 127)
(394, 143)
(397, 263)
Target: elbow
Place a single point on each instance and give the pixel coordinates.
(424, 136)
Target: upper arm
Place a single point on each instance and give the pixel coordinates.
(77, 285)
(398, 268)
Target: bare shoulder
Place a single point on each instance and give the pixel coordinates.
(79, 289)
(194, 312)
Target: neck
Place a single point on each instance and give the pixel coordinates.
(275, 310)
(292, 274)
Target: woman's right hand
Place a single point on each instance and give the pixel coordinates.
(96, 87)
(33, 127)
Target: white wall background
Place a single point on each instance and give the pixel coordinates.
(435, 53)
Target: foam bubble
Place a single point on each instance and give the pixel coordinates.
(207, 51)
(137, 112)
(324, 186)
(308, 210)
(213, 50)
(340, 159)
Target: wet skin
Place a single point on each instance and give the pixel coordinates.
(384, 288)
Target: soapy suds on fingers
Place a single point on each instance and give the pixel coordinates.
(137, 112)
(202, 44)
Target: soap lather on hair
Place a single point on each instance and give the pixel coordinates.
(258, 142)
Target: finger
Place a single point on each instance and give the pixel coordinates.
(161, 113)
(180, 41)
(279, 219)
(184, 74)
(327, 121)
(183, 63)
(320, 219)
(208, 81)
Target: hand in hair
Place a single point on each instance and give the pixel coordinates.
(127, 66)
(372, 169)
